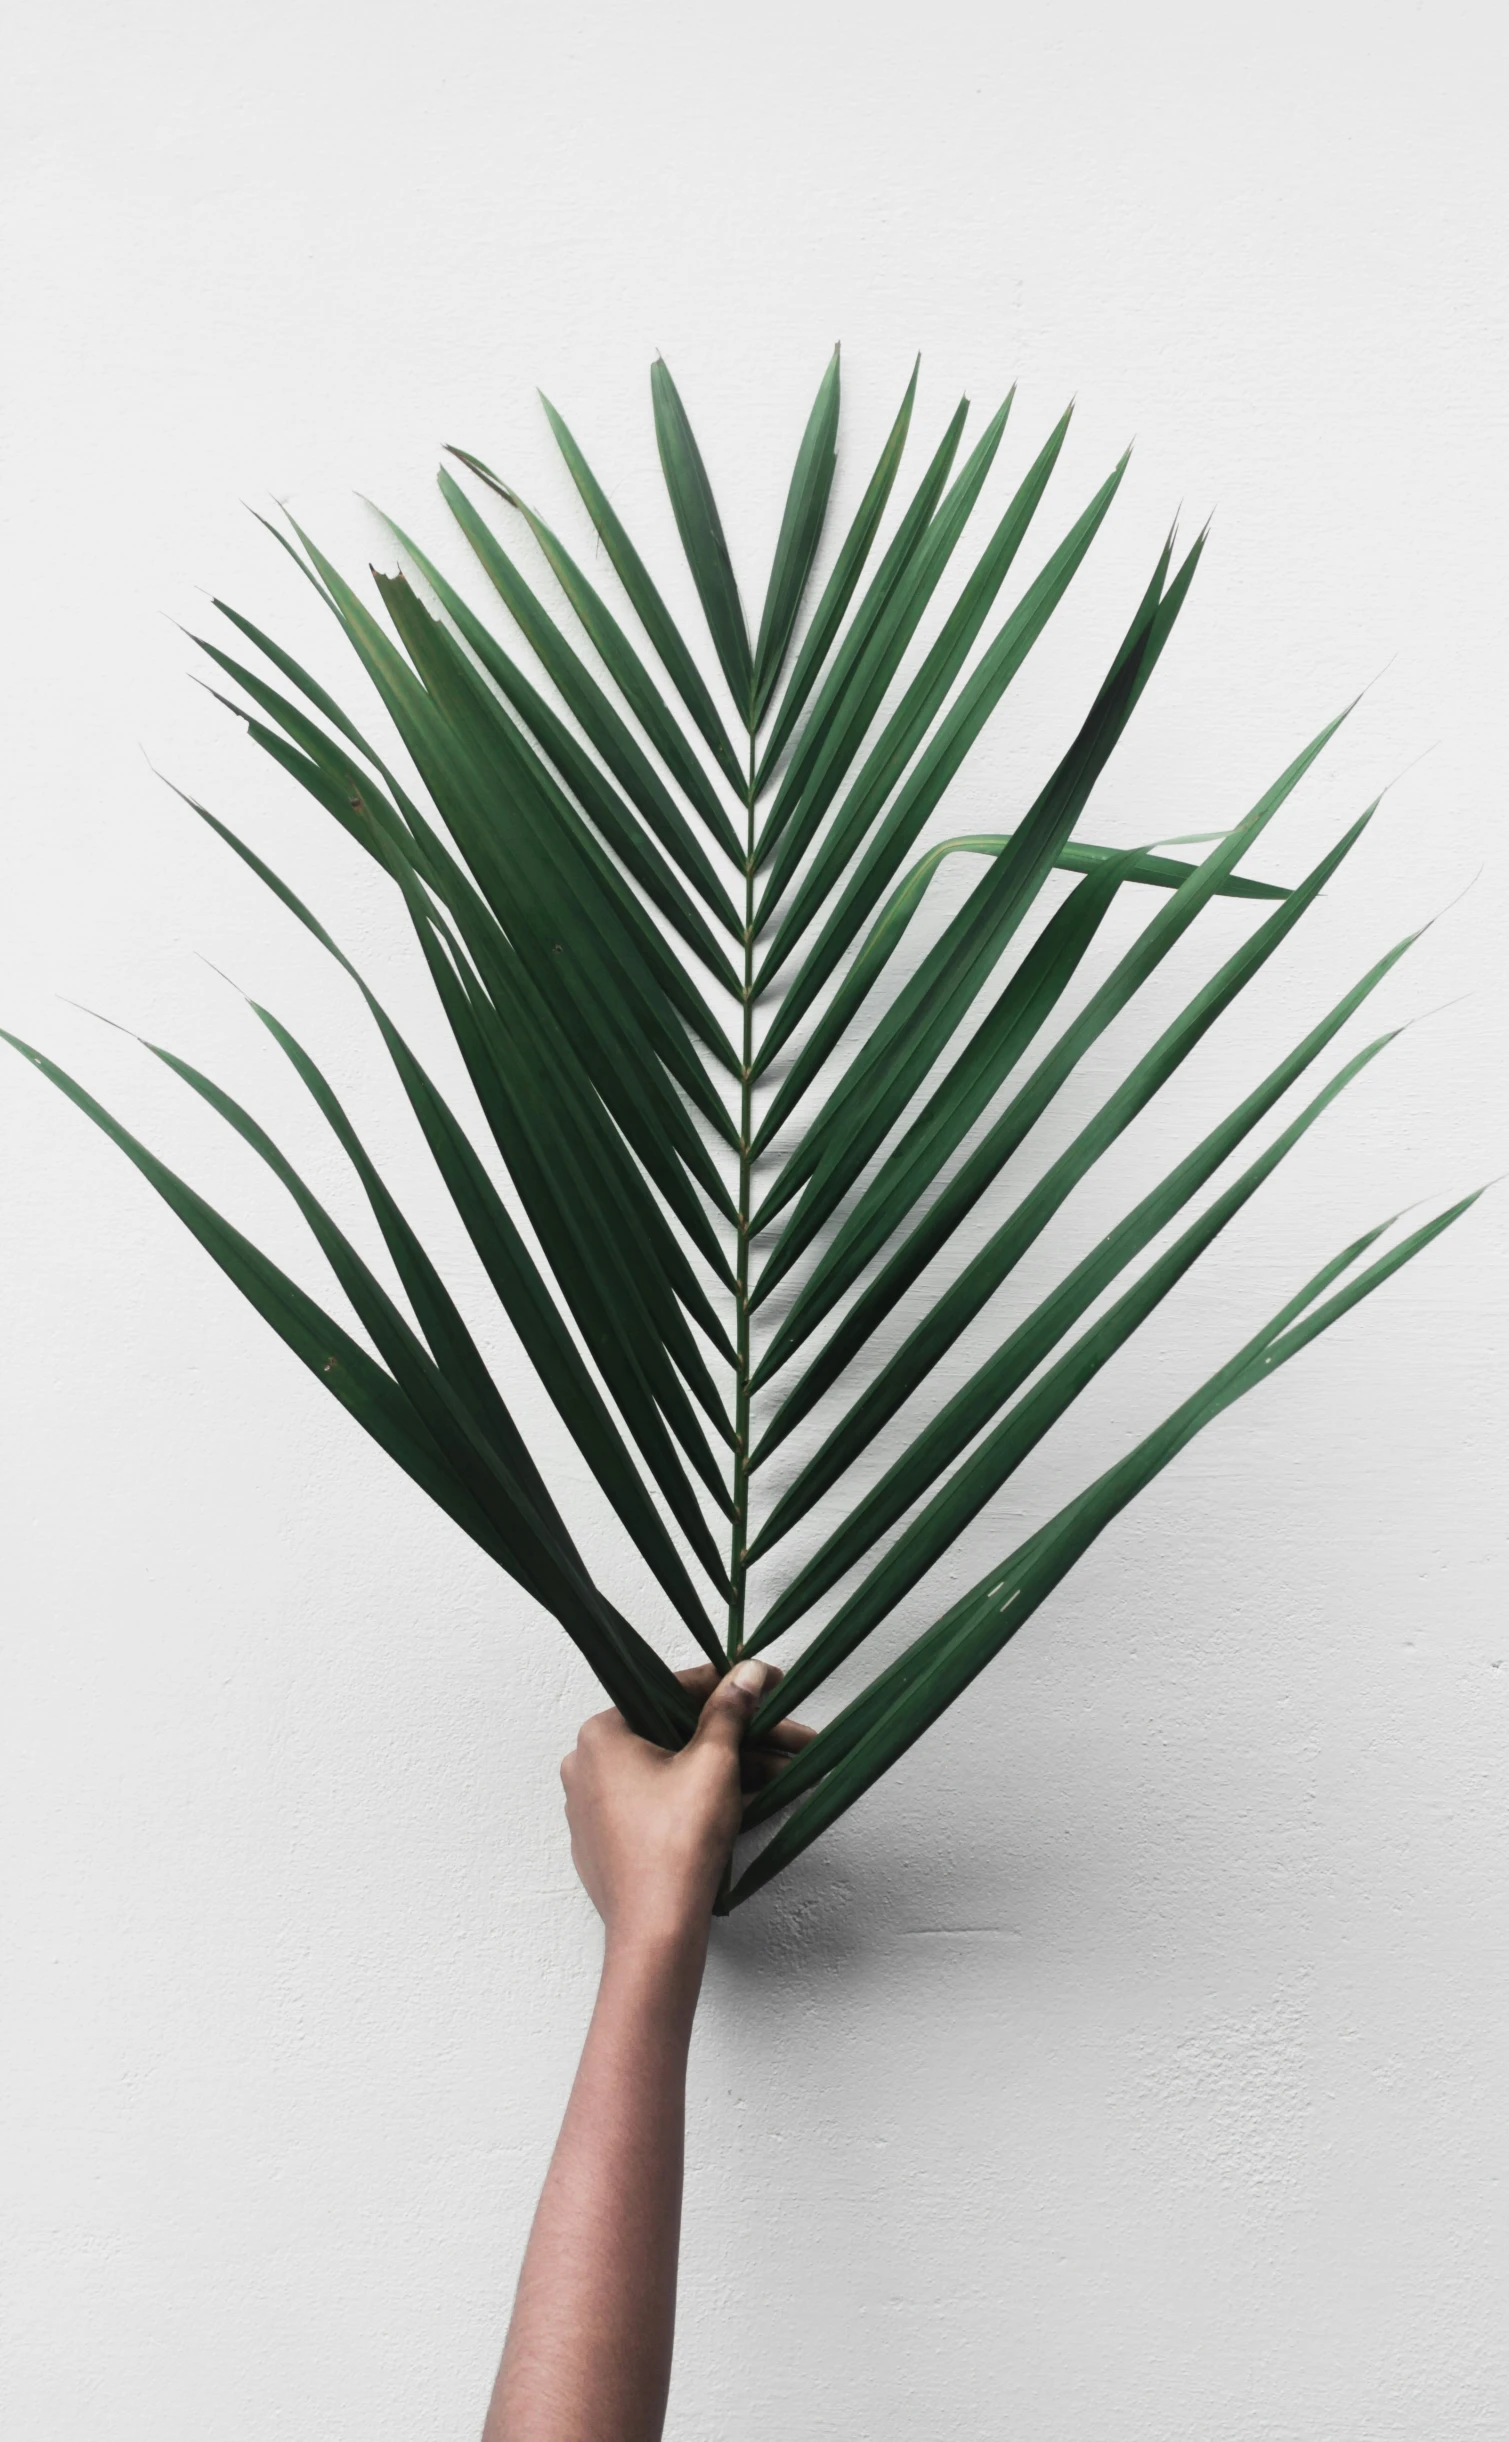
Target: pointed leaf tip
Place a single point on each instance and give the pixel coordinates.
(702, 537)
(801, 532)
(482, 471)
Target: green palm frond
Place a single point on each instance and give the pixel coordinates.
(731, 1145)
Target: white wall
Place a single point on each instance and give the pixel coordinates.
(1133, 2062)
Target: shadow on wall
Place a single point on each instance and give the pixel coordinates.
(886, 1896)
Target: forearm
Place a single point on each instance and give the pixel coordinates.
(589, 2348)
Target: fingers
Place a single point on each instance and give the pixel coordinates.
(759, 1763)
(730, 1708)
(599, 1730)
(729, 1703)
(766, 1759)
(702, 1678)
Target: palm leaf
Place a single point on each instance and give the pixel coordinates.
(521, 1291)
(917, 1250)
(644, 594)
(903, 1702)
(624, 666)
(837, 594)
(983, 1275)
(618, 823)
(973, 1405)
(607, 731)
(844, 677)
(952, 974)
(925, 786)
(701, 531)
(833, 737)
(697, 1223)
(503, 1523)
(797, 542)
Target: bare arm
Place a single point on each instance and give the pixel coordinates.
(588, 2355)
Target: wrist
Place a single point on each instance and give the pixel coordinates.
(663, 1952)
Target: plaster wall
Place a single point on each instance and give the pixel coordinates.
(1133, 2062)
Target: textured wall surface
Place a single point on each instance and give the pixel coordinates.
(1134, 2061)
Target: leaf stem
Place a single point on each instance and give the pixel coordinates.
(738, 1563)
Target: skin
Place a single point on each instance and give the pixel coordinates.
(588, 2354)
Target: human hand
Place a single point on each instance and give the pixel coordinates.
(650, 1831)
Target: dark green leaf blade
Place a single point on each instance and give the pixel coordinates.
(988, 1058)
(649, 608)
(835, 725)
(623, 664)
(512, 1270)
(873, 1088)
(635, 1676)
(622, 1316)
(542, 1554)
(623, 1270)
(702, 538)
(339, 782)
(801, 532)
(985, 1272)
(535, 1535)
(605, 1214)
(890, 926)
(799, 809)
(1002, 1451)
(297, 675)
(603, 973)
(618, 823)
(567, 913)
(456, 1353)
(459, 773)
(930, 776)
(908, 725)
(625, 759)
(964, 1190)
(838, 592)
(839, 1736)
(904, 1702)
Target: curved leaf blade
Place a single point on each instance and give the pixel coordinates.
(622, 663)
(905, 1700)
(633, 1673)
(953, 972)
(702, 538)
(838, 592)
(452, 1346)
(1005, 1447)
(856, 706)
(649, 608)
(625, 759)
(964, 1190)
(618, 823)
(930, 776)
(1001, 1041)
(838, 690)
(510, 1267)
(797, 542)
(985, 1272)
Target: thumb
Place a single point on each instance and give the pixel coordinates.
(731, 1707)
